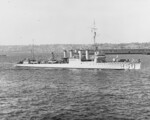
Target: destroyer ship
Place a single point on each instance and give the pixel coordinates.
(81, 59)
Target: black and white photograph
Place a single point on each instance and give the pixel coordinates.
(74, 59)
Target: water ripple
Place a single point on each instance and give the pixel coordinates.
(74, 94)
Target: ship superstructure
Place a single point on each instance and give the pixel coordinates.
(82, 59)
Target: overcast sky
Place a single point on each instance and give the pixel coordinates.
(69, 21)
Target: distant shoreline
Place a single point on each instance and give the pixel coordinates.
(60, 47)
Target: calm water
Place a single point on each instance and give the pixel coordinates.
(51, 94)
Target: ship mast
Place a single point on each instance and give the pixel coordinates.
(33, 49)
(93, 29)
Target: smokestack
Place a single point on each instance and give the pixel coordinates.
(65, 54)
(87, 54)
(80, 54)
(71, 53)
